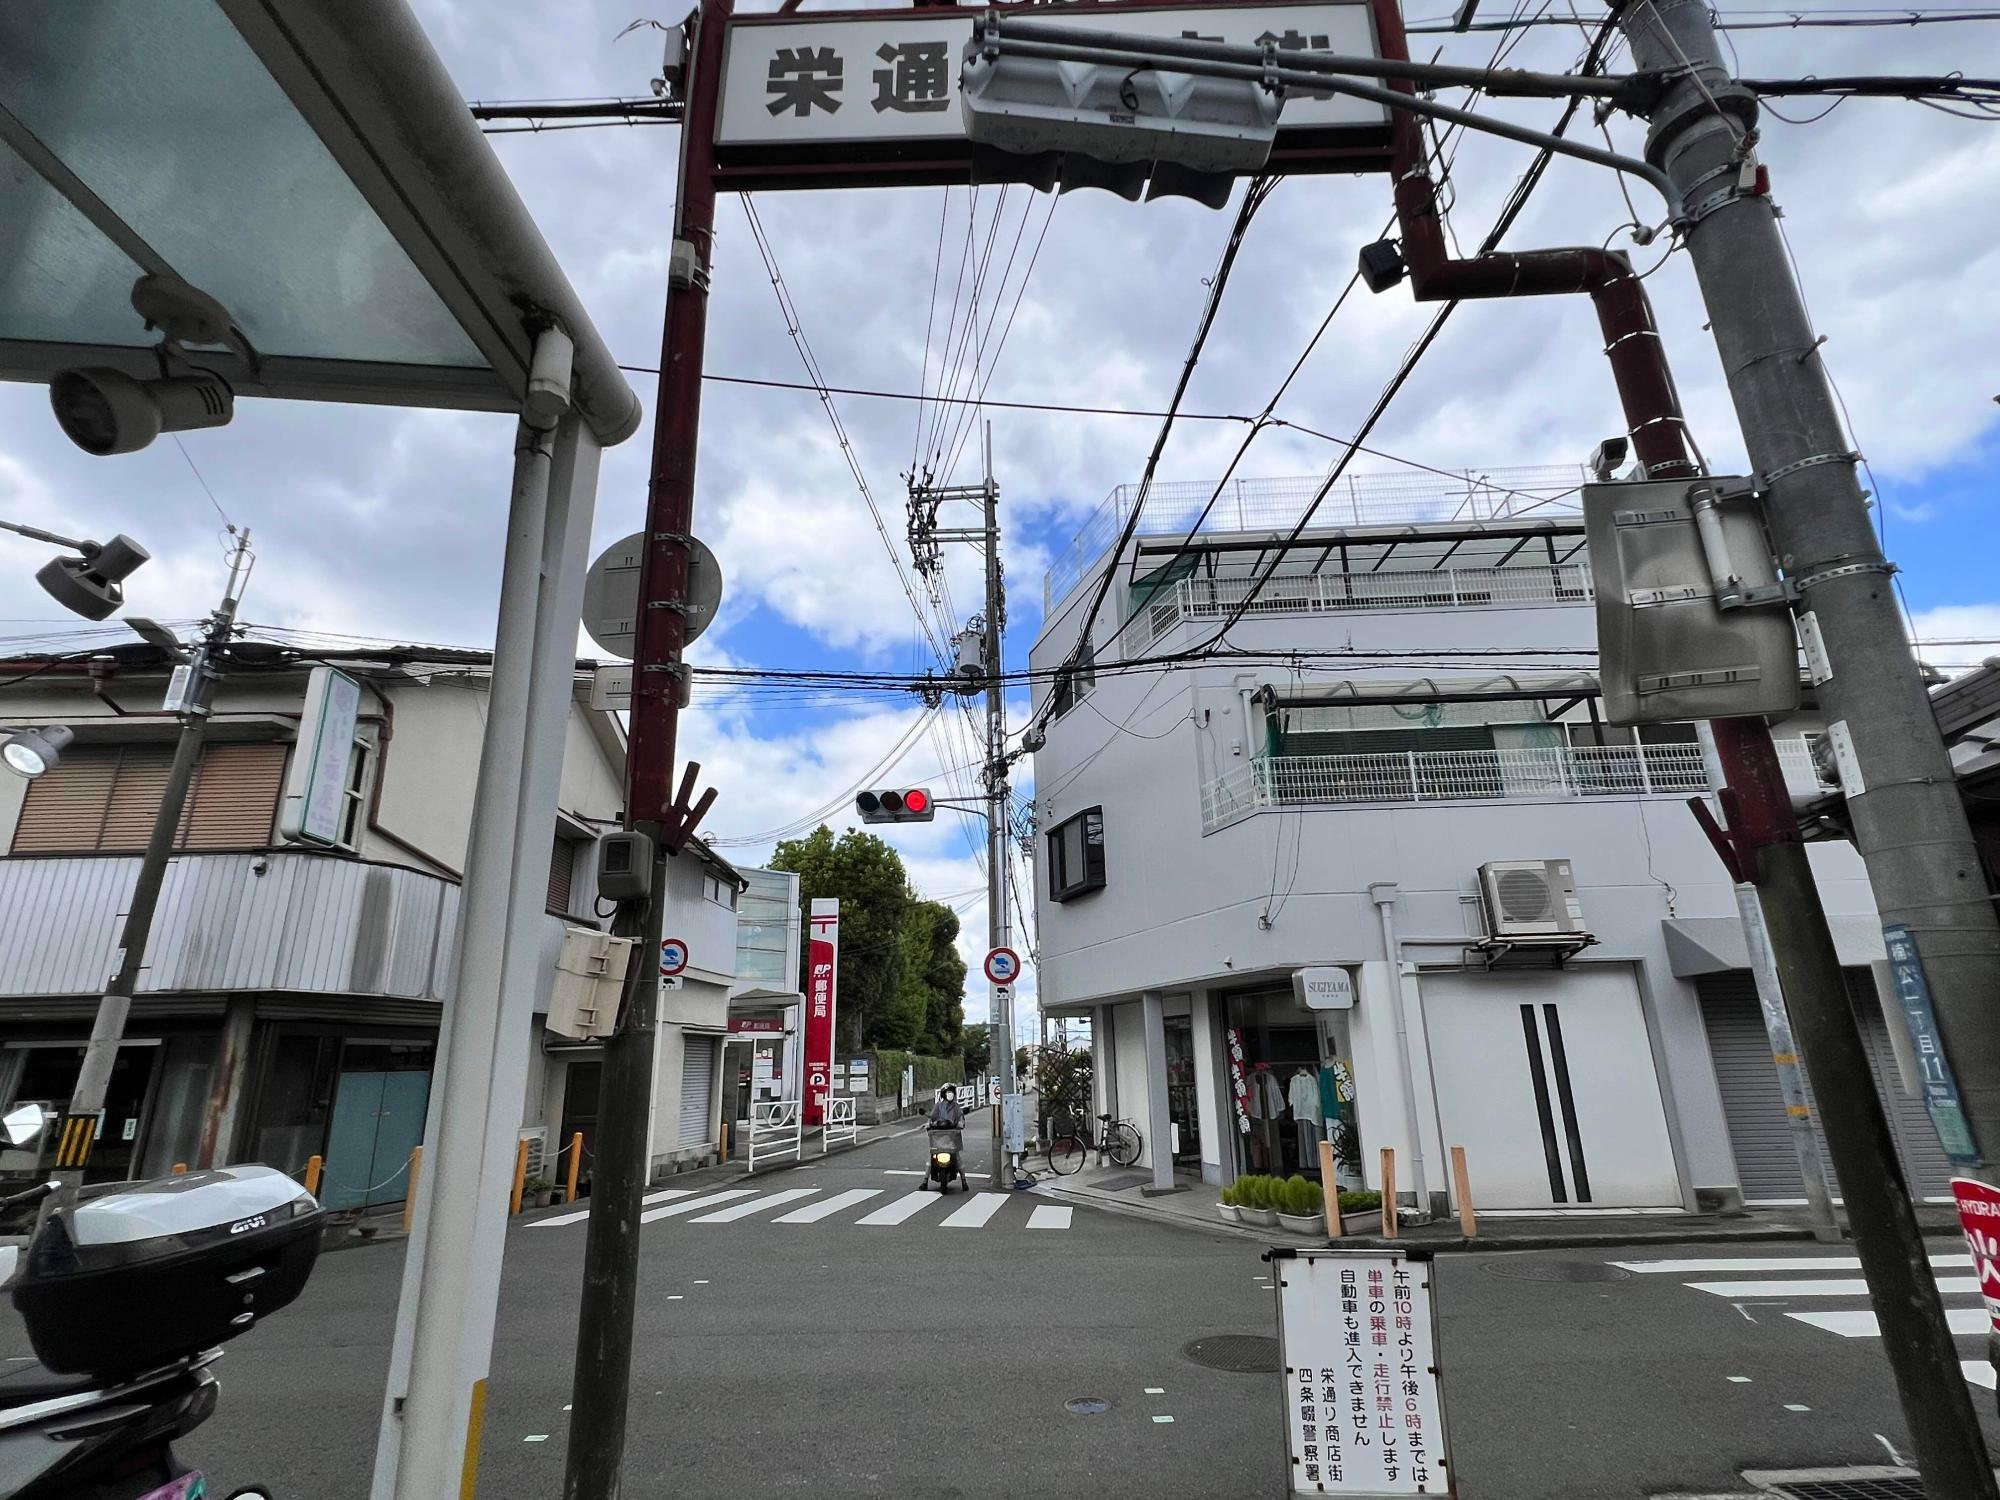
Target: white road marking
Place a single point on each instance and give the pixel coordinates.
(1163, 1419)
(551, 1223)
(1978, 1371)
(1048, 1216)
(1830, 1288)
(668, 1196)
(1863, 1324)
(712, 1200)
(1794, 1406)
(536, 1437)
(1739, 1379)
(1156, 1390)
(813, 1213)
(755, 1206)
(1820, 1263)
(975, 1211)
(903, 1171)
(905, 1207)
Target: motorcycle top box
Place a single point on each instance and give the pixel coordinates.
(134, 1275)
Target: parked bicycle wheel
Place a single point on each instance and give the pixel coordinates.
(1122, 1144)
(1066, 1155)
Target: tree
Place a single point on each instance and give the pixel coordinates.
(976, 1047)
(868, 879)
(934, 978)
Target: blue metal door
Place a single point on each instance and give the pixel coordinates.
(378, 1119)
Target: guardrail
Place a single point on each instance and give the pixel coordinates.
(841, 1125)
(774, 1131)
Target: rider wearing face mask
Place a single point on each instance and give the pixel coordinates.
(945, 1111)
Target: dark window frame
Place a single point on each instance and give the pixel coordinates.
(1065, 884)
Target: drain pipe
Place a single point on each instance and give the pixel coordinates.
(1383, 894)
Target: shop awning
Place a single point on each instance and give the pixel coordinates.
(1715, 945)
(310, 166)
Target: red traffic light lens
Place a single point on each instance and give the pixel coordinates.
(916, 800)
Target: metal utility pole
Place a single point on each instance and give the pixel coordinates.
(1909, 824)
(603, 1371)
(85, 1116)
(999, 920)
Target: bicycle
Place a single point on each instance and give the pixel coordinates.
(1068, 1146)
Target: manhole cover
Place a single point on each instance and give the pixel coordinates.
(1238, 1353)
(1554, 1270)
(1087, 1406)
(1868, 1487)
(1118, 1184)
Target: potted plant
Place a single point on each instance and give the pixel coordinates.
(1227, 1206)
(1257, 1207)
(1302, 1209)
(536, 1192)
(1361, 1212)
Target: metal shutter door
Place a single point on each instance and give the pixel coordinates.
(135, 796)
(235, 798)
(64, 807)
(1754, 1109)
(697, 1089)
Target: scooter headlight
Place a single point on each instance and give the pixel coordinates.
(942, 1158)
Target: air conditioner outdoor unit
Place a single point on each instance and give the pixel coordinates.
(1529, 898)
(537, 1137)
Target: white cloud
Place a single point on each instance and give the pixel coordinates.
(1973, 631)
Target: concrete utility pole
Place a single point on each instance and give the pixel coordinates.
(85, 1117)
(603, 1371)
(999, 920)
(1909, 823)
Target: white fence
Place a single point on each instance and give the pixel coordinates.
(1340, 593)
(774, 1131)
(840, 1126)
(1474, 775)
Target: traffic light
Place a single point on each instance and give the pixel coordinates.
(909, 805)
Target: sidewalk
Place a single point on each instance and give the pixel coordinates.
(1123, 1190)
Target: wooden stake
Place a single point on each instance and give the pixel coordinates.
(575, 1162)
(520, 1172)
(410, 1198)
(1389, 1192)
(1331, 1188)
(1468, 1222)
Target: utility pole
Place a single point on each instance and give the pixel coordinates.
(85, 1116)
(1909, 824)
(999, 920)
(603, 1371)
(1902, 796)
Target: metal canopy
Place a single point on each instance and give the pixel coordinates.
(312, 167)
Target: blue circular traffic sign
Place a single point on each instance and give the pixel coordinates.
(1003, 966)
(673, 957)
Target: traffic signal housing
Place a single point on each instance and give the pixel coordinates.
(899, 805)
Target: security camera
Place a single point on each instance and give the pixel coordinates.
(1382, 265)
(1607, 456)
(93, 585)
(106, 411)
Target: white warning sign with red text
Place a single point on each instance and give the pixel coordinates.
(1979, 1217)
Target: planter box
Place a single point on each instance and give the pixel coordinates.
(1362, 1221)
(1312, 1224)
(1259, 1218)
(1230, 1213)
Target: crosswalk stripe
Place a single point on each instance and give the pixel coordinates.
(975, 1211)
(1737, 1291)
(1863, 1324)
(754, 1206)
(668, 1196)
(907, 1206)
(1820, 1263)
(584, 1213)
(813, 1213)
(1978, 1371)
(711, 1200)
(1048, 1216)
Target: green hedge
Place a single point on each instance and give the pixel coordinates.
(887, 1066)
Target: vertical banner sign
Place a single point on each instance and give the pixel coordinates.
(1913, 991)
(1357, 1338)
(1979, 1217)
(822, 982)
(1239, 1086)
(316, 783)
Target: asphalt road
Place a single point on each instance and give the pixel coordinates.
(917, 1360)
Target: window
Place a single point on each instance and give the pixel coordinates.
(104, 798)
(1076, 855)
(1074, 684)
(562, 871)
(721, 892)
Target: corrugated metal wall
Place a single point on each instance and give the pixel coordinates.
(308, 923)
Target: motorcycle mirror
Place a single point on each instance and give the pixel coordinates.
(23, 1123)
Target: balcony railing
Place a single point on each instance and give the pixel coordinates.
(1340, 593)
(1556, 772)
(1278, 504)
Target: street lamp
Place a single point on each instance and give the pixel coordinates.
(93, 584)
(31, 752)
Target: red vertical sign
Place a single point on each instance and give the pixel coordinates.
(822, 984)
(1979, 1217)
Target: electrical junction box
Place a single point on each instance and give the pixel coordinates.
(1666, 651)
(624, 866)
(590, 975)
